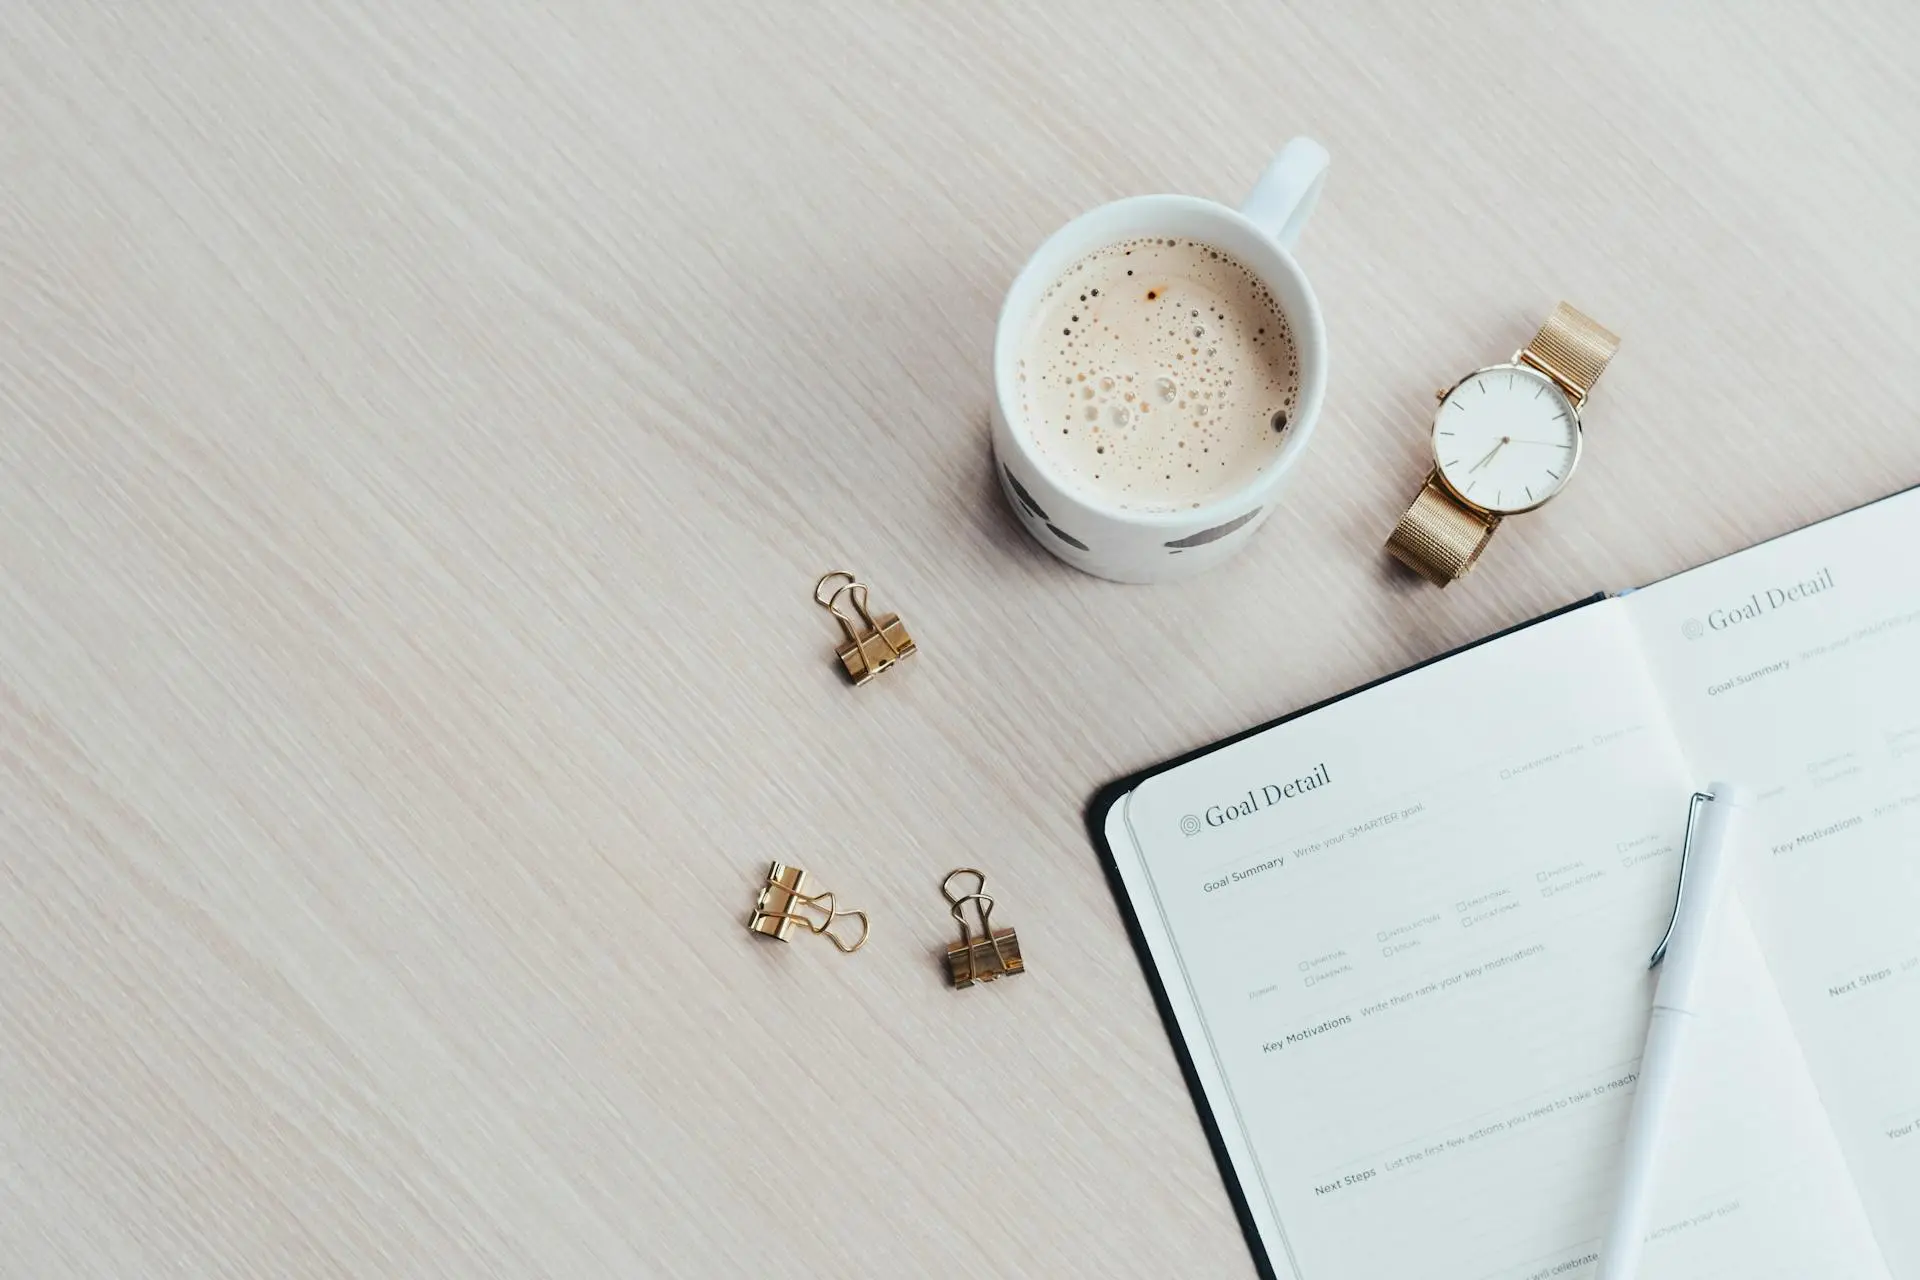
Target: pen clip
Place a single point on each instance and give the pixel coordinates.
(1680, 888)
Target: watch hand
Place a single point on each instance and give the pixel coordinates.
(1551, 444)
(1489, 458)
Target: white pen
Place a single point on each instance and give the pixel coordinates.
(1706, 874)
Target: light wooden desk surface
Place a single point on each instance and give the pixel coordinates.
(420, 427)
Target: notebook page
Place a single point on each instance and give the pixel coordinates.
(1794, 667)
(1406, 939)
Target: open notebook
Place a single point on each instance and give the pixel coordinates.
(1401, 938)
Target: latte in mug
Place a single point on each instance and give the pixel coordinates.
(1158, 374)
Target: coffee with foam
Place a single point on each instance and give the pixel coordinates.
(1158, 375)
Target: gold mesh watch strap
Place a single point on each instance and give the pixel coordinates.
(1572, 349)
(1438, 538)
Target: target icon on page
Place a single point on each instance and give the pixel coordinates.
(1190, 825)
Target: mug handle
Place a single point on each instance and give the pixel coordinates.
(1283, 199)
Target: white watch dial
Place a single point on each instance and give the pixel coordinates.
(1506, 438)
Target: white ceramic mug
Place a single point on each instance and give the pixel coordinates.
(1151, 546)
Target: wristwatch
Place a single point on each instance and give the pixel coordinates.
(1505, 439)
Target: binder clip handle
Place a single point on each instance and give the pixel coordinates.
(947, 890)
(825, 928)
(823, 597)
(824, 924)
(856, 593)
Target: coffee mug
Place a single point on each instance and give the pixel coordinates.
(1105, 538)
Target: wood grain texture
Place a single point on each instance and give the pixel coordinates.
(420, 426)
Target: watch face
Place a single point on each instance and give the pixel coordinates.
(1506, 439)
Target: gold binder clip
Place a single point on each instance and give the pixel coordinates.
(785, 902)
(995, 953)
(873, 644)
